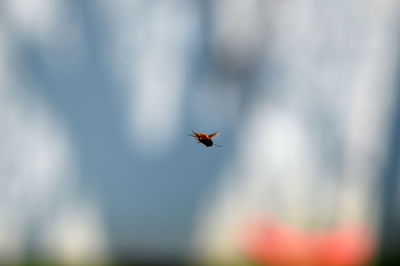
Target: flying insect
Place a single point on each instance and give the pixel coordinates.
(205, 139)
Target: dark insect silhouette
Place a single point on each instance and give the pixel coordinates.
(206, 139)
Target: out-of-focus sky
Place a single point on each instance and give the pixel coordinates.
(97, 100)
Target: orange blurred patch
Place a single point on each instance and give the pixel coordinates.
(274, 243)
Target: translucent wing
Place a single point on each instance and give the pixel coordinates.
(195, 135)
(214, 135)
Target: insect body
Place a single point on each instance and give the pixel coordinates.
(206, 139)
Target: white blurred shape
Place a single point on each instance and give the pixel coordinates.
(369, 115)
(334, 84)
(271, 175)
(153, 55)
(75, 236)
(38, 162)
(235, 35)
(11, 245)
(36, 166)
(33, 18)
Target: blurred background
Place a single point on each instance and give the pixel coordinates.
(97, 99)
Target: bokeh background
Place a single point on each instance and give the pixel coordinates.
(97, 99)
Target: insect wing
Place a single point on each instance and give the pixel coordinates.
(215, 135)
(195, 135)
